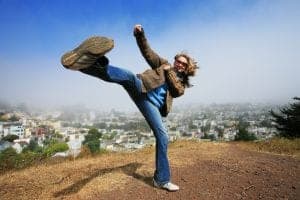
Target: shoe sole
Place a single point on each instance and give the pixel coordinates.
(94, 46)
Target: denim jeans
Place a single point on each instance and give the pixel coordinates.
(133, 85)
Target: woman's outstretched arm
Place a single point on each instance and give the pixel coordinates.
(152, 58)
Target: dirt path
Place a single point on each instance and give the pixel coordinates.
(202, 170)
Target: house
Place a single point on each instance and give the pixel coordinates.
(17, 147)
(229, 134)
(17, 129)
(133, 146)
(173, 135)
(23, 142)
(18, 144)
(74, 147)
(121, 138)
(12, 128)
(106, 144)
(1, 130)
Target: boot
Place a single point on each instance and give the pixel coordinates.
(87, 53)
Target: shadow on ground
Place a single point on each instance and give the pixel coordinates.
(129, 169)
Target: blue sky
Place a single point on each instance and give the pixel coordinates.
(31, 25)
(247, 50)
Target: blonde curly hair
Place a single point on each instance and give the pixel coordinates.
(191, 67)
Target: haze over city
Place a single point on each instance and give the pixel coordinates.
(247, 50)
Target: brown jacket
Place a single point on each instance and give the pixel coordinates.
(157, 76)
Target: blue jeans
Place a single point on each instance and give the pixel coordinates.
(133, 85)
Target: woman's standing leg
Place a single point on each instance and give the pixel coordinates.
(153, 117)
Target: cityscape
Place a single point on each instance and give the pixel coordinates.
(126, 131)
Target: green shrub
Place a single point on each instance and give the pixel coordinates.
(244, 135)
(92, 140)
(26, 159)
(54, 148)
(10, 138)
(93, 145)
(8, 158)
(33, 147)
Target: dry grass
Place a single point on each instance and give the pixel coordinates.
(276, 145)
(190, 151)
(90, 177)
(85, 178)
(75, 179)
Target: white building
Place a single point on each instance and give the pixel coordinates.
(17, 147)
(229, 134)
(17, 129)
(173, 135)
(12, 128)
(1, 130)
(106, 144)
(75, 143)
(133, 146)
(66, 131)
(121, 138)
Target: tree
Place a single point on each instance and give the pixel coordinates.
(192, 126)
(206, 128)
(10, 138)
(220, 132)
(243, 134)
(93, 145)
(266, 123)
(93, 134)
(101, 125)
(92, 140)
(288, 120)
(33, 146)
(57, 136)
(212, 137)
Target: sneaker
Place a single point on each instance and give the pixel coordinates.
(87, 53)
(167, 186)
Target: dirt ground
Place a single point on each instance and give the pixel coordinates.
(203, 170)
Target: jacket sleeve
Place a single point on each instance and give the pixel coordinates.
(150, 56)
(176, 87)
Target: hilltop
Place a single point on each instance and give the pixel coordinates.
(203, 170)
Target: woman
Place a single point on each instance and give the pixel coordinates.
(152, 91)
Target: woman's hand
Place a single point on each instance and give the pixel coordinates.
(137, 29)
(167, 67)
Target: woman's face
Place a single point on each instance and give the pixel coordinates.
(180, 64)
